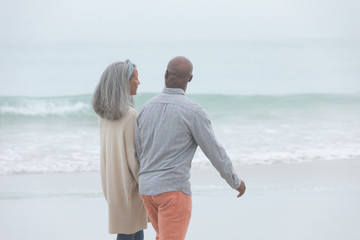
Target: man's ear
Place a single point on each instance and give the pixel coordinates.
(190, 78)
(166, 74)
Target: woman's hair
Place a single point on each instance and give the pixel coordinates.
(112, 96)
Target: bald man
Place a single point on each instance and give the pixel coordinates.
(169, 129)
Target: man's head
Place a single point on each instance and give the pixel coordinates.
(178, 73)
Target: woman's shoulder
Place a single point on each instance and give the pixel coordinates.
(129, 116)
(131, 113)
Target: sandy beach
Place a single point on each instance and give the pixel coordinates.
(315, 200)
(278, 80)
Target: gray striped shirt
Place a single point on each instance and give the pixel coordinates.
(169, 128)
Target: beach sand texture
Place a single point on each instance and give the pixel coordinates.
(315, 200)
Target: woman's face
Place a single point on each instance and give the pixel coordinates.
(134, 82)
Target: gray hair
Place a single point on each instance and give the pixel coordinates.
(112, 96)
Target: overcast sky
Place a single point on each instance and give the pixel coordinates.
(47, 21)
(45, 42)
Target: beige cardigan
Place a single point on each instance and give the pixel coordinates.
(119, 168)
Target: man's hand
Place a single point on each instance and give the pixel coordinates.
(241, 189)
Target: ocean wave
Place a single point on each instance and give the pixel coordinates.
(255, 130)
(218, 106)
(273, 158)
(44, 107)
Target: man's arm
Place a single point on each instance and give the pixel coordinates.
(204, 136)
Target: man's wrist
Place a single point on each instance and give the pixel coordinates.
(237, 185)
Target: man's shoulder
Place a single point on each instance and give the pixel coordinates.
(191, 105)
(179, 101)
(150, 101)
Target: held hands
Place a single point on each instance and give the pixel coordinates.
(241, 189)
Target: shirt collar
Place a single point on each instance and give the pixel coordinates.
(174, 91)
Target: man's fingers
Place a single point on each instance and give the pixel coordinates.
(241, 189)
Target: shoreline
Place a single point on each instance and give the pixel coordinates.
(317, 200)
(341, 174)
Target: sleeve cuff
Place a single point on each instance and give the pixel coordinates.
(236, 185)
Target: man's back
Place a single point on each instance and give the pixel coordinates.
(169, 129)
(167, 146)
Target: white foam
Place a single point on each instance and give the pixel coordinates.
(69, 147)
(44, 108)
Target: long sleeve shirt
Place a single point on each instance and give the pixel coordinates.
(169, 128)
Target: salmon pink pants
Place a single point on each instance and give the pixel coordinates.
(169, 214)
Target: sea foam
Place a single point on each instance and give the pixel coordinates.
(60, 134)
(43, 107)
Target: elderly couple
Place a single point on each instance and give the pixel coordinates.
(146, 157)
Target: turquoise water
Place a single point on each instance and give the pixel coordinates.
(60, 134)
(251, 107)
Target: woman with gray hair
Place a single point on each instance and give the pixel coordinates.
(113, 102)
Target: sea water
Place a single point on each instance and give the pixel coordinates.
(60, 134)
(260, 113)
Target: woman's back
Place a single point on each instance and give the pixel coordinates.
(119, 168)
